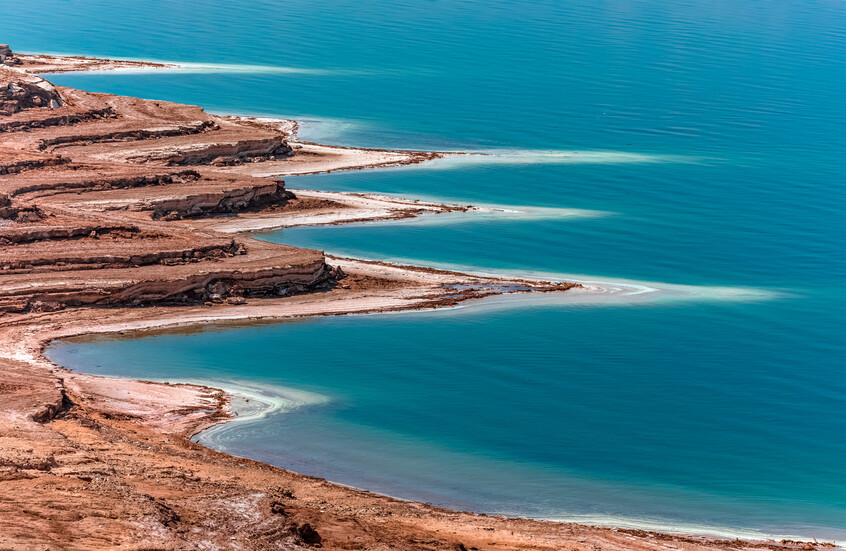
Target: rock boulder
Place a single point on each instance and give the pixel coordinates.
(19, 90)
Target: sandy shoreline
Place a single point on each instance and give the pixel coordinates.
(94, 462)
(192, 409)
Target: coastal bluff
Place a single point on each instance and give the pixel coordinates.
(90, 188)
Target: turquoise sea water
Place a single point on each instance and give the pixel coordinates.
(705, 143)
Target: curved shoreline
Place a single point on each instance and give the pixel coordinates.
(286, 399)
(184, 410)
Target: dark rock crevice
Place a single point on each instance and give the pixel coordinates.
(129, 135)
(58, 120)
(105, 184)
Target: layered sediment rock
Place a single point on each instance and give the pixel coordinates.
(221, 202)
(162, 284)
(17, 162)
(219, 153)
(127, 135)
(57, 120)
(97, 225)
(79, 180)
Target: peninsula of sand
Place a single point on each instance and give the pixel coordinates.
(118, 214)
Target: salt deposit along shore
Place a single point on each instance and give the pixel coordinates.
(120, 214)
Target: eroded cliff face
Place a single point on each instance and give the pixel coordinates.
(24, 91)
(95, 195)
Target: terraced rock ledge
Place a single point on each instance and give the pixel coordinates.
(121, 214)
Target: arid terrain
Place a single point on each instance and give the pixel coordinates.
(119, 214)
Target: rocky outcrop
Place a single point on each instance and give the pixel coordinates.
(5, 53)
(58, 184)
(222, 202)
(23, 215)
(20, 91)
(129, 135)
(212, 151)
(17, 235)
(186, 286)
(97, 226)
(17, 166)
(57, 120)
(218, 285)
(217, 154)
(110, 251)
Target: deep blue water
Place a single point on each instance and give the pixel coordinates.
(708, 140)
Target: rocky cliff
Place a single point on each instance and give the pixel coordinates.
(93, 188)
